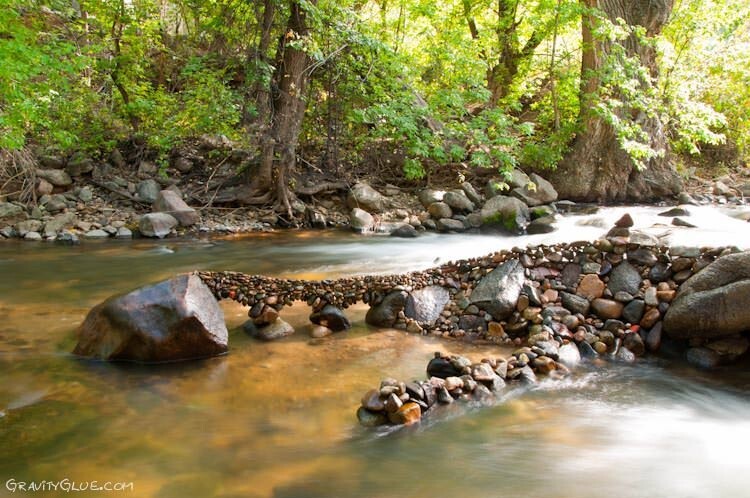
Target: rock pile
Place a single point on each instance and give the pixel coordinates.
(525, 204)
(606, 297)
(450, 379)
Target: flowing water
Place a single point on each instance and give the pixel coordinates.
(277, 420)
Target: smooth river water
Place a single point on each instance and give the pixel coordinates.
(277, 420)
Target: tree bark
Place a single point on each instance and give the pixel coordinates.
(596, 168)
(288, 86)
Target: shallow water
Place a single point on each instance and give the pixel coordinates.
(278, 419)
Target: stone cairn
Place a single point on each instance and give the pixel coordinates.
(555, 303)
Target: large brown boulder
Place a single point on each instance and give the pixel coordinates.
(714, 301)
(178, 319)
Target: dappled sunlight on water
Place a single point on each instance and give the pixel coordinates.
(278, 419)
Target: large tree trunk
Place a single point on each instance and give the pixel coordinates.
(596, 168)
(290, 80)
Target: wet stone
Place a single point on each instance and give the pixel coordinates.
(372, 401)
(370, 419)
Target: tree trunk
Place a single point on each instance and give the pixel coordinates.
(596, 168)
(290, 80)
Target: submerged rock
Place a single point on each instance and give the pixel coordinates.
(178, 319)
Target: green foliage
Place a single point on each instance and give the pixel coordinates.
(412, 74)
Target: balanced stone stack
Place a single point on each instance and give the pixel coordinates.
(451, 378)
(607, 297)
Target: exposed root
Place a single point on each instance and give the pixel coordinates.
(18, 175)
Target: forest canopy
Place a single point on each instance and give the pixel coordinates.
(479, 83)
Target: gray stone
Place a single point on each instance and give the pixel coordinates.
(85, 194)
(430, 196)
(569, 355)
(426, 304)
(471, 193)
(450, 225)
(624, 277)
(642, 256)
(34, 236)
(458, 201)
(96, 234)
(79, 164)
(703, 358)
(148, 190)
(440, 210)
(66, 237)
(170, 202)
(56, 203)
(365, 197)
(124, 233)
(574, 303)
(542, 192)
(60, 221)
(713, 302)
(361, 221)
(498, 291)
(24, 227)
(157, 224)
(653, 338)
(633, 311)
(505, 213)
(518, 179)
(675, 211)
(405, 231)
(545, 224)
(679, 222)
(273, 331)
(178, 319)
(57, 177)
(369, 418)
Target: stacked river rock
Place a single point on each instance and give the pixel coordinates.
(608, 297)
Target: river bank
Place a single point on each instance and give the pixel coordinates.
(74, 198)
